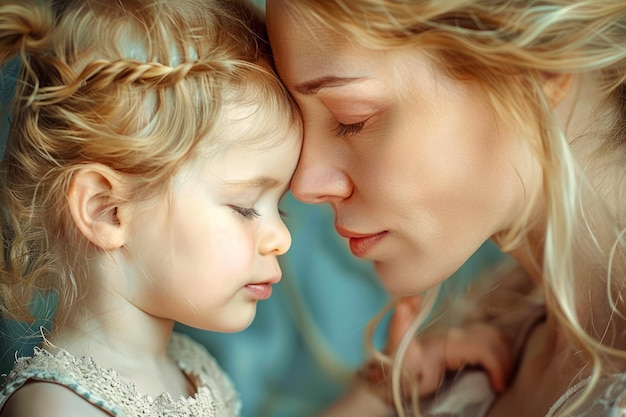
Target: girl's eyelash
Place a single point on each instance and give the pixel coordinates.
(248, 213)
(350, 129)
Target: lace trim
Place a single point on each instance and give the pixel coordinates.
(104, 388)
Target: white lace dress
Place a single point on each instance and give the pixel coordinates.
(215, 397)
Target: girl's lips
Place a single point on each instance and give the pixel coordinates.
(361, 245)
(261, 291)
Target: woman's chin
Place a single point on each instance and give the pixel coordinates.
(402, 282)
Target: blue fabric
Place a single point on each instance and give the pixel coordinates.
(305, 341)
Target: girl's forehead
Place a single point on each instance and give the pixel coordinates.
(257, 126)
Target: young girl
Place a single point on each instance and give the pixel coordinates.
(149, 148)
(432, 126)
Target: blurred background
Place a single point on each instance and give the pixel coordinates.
(307, 340)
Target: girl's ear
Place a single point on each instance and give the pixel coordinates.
(556, 87)
(93, 200)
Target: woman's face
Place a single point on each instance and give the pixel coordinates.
(415, 165)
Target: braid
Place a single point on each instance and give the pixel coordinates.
(101, 74)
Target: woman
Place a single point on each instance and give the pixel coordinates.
(431, 127)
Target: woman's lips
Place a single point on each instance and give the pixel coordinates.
(360, 244)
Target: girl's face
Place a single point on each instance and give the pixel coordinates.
(415, 165)
(211, 253)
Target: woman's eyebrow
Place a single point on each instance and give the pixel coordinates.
(311, 87)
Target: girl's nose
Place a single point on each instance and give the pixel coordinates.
(277, 240)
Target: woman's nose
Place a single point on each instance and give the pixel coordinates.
(320, 176)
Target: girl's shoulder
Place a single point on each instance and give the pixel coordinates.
(43, 399)
(71, 380)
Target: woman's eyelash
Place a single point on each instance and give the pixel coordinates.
(350, 129)
(248, 213)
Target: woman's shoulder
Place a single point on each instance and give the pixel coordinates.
(616, 395)
(607, 397)
(45, 399)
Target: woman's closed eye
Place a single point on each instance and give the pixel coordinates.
(248, 213)
(345, 130)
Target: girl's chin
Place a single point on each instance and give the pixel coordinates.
(233, 325)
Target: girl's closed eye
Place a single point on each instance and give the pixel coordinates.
(248, 213)
(345, 130)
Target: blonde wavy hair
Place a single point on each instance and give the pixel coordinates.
(137, 85)
(510, 48)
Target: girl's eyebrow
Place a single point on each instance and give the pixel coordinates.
(257, 182)
(311, 87)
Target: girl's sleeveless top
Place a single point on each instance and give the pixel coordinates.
(104, 388)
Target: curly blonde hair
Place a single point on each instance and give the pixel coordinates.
(137, 85)
(510, 48)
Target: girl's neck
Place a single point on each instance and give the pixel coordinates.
(129, 342)
(123, 330)
(119, 335)
(107, 320)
